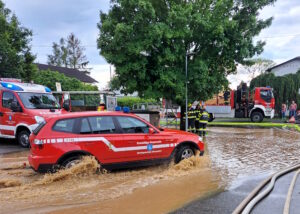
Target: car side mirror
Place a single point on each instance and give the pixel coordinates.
(15, 107)
(151, 131)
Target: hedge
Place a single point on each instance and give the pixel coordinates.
(285, 88)
(130, 101)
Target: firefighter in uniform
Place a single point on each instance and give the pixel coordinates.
(197, 119)
(203, 120)
(191, 119)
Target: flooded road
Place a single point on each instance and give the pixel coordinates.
(232, 155)
(238, 153)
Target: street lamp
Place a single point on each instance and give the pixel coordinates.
(186, 88)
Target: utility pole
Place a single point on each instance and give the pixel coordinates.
(186, 92)
(110, 72)
(186, 87)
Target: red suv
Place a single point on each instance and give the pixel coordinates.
(116, 139)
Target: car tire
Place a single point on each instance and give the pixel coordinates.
(184, 152)
(71, 161)
(23, 138)
(257, 117)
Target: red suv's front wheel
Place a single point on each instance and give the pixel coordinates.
(184, 152)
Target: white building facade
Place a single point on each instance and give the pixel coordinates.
(288, 67)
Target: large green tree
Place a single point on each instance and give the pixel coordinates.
(147, 40)
(15, 54)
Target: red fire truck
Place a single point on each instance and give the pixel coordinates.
(23, 107)
(243, 103)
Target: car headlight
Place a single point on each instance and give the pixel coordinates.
(39, 119)
(200, 139)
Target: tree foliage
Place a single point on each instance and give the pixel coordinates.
(49, 78)
(68, 53)
(147, 40)
(59, 54)
(258, 66)
(285, 88)
(15, 56)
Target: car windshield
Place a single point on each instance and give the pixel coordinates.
(39, 101)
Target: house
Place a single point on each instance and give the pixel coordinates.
(289, 67)
(69, 72)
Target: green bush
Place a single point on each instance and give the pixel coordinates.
(130, 101)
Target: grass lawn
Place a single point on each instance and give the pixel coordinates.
(262, 124)
(243, 124)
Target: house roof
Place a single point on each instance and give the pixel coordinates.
(296, 58)
(69, 72)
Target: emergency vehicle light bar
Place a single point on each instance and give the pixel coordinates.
(125, 109)
(47, 89)
(11, 86)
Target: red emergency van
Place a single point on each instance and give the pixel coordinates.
(116, 139)
(23, 106)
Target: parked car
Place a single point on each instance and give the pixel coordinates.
(115, 139)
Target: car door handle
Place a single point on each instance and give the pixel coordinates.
(1, 114)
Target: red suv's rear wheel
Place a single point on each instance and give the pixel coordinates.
(71, 161)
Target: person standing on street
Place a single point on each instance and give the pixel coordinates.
(197, 118)
(191, 119)
(283, 110)
(293, 109)
(204, 117)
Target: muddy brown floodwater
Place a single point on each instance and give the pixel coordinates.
(232, 155)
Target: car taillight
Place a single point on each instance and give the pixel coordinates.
(38, 144)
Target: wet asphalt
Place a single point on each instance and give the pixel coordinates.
(227, 201)
(221, 203)
(9, 146)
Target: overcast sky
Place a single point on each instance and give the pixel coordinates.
(52, 19)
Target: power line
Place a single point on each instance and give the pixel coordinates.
(259, 37)
(279, 36)
(50, 46)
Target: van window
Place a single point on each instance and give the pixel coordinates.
(102, 125)
(65, 125)
(7, 99)
(132, 125)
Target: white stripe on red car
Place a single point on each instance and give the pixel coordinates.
(107, 143)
